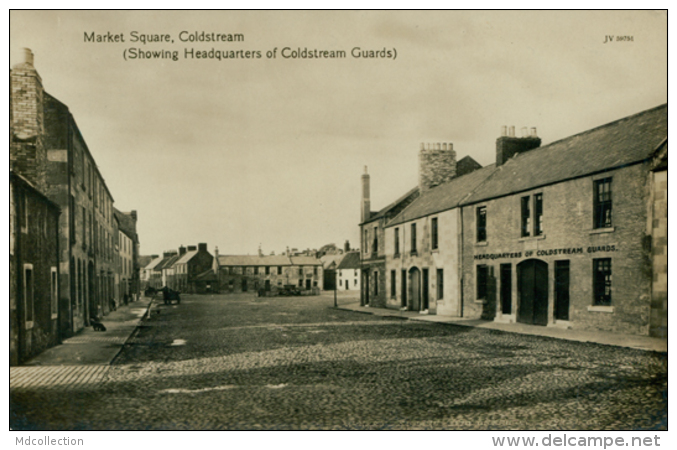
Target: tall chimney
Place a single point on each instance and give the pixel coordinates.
(27, 154)
(366, 203)
(437, 165)
(202, 247)
(182, 250)
(509, 146)
(346, 246)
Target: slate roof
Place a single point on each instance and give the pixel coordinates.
(186, 257)
(626, 141)
(305, 261)
(351, 261)
(384, 212)
(445, 196)
(144, 260)
(153, 264)
(329, 260)
(254, 260)
(127, 224)
(167, 262)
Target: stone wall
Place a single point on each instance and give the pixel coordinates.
(569, 235)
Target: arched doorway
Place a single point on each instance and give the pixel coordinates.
(415, 289)
(532, 291)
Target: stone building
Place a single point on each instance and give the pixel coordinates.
(659, 243)
(246, 273)
(437, 165)
(572, 234)
(423, 248)
(190, 264)
(372, 235)
(47, 145)
(34, 310)
(348, 274)
(128, 248)
(560, 235)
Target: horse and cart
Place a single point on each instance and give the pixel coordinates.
(168, 294)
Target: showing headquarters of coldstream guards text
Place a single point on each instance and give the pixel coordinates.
(196, 243)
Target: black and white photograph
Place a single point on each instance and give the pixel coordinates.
(339, 220)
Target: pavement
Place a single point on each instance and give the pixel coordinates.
(89, 347)
(599, 337)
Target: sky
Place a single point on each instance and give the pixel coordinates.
(241, 153)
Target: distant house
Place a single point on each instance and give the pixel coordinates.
(189, 265)
(149, 276)
(244, 273)
(329, 265)
(348, 272)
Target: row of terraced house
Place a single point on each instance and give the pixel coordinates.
(194, 270)
(73, 255)
(572, 234)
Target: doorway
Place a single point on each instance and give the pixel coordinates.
(426, 294)
(506, 289)
(562, 290)
(532, 291)
(415, 288)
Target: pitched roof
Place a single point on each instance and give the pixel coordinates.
(167, 262)
(393, 207)
(254, 260)
(127, 224)
(626, 141)
(351, 261)
(443, 197)
(329, 260)
(305, 261)
(186, 257)
(144, 260)
(153, 264)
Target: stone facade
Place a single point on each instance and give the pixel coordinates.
(244, 273)
(568, 236)
(48, 148)
(34, 313)
(659, 247)
(437, 165)
(425, 279)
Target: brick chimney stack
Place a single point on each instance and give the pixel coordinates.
(437, 165)
(182, 250)
(508, 145)
(202, 247)
(366, 203)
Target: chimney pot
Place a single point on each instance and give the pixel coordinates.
(504, 130)
(525, 132)
(511, 131)
(533, 132)
(27, 56)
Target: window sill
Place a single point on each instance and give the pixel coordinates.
(435, 250)
(600, 308)
(413, 253)
(603, 230)
(531, 238)
(396, 256)
(481, 244)
(480, 301)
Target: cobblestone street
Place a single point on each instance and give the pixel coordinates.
(243, 362)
